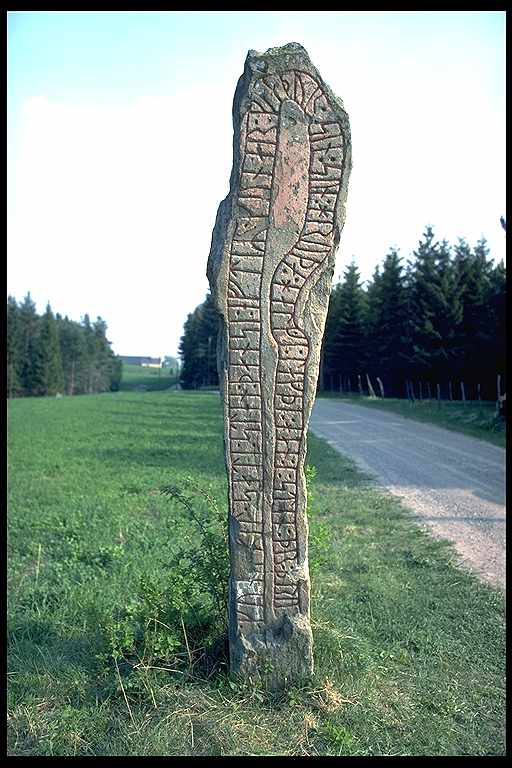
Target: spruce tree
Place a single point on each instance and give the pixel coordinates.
(72, 345)
(330, 364)
(349, 338)
(50, 376)
(448, 316)
(463, 269)
(497, 310)
(102, 357)
(373, 301)
(387, 301)
(198, 346)
(207, 341)
(190, 374)
(29, 359)
(476, 333)
(479, 318)
(423, 302)
(116, 373)
(89, 368)
(51, 354)
(14, 358)
(435, 309)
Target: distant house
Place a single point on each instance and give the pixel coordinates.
(145, 362)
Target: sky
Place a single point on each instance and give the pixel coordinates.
(120, 147)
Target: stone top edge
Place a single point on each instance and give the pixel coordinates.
(279, 59)
(278, 50)
(291, 53)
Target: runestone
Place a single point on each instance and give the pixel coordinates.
(270, 270)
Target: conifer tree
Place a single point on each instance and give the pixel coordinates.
(207, 341)
(478, 330)
(14, 360)
(29, 326)
(116, 373)
(50, 376)
(88, 369)
(373, 304)
(198, 347)
(72, 345)
(329, 359)
(448, 316)
(348, 342)
(435, 309)
(190, 374)
(497, 321)
(387, 301)
(50, 354)
(423, 302)
(102, 357)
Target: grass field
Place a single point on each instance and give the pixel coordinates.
(137, 378)
(476, 419)
(409, 650)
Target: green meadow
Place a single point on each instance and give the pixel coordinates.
(117, 637)
(139, 379)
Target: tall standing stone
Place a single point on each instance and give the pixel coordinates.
(270, 269)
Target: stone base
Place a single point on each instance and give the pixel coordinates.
(280, 656)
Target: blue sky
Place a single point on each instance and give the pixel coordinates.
(120, 146)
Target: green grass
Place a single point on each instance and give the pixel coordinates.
(409, 650)
(474, 418)
(137, 378)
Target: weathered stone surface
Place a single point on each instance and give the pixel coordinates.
(270, 270)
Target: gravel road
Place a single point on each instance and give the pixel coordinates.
(454, 484)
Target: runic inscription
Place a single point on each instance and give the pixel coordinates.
(270, 268)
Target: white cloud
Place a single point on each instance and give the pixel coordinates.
(111, 205)
(113, 212)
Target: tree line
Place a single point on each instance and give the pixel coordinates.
(437, 320)
(49, 354)
(427, 324)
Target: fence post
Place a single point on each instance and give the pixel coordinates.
(438, 395)
(381, 387)
(359, 384)
(428, 390)
(450, 390)
(371, 390)
(499, 401)
(341, 384)
(463, 392)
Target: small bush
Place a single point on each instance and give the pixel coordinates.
(178, 618)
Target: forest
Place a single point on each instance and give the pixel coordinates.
(49, 354)
(431, 326)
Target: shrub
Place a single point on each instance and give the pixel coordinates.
(178, 618)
